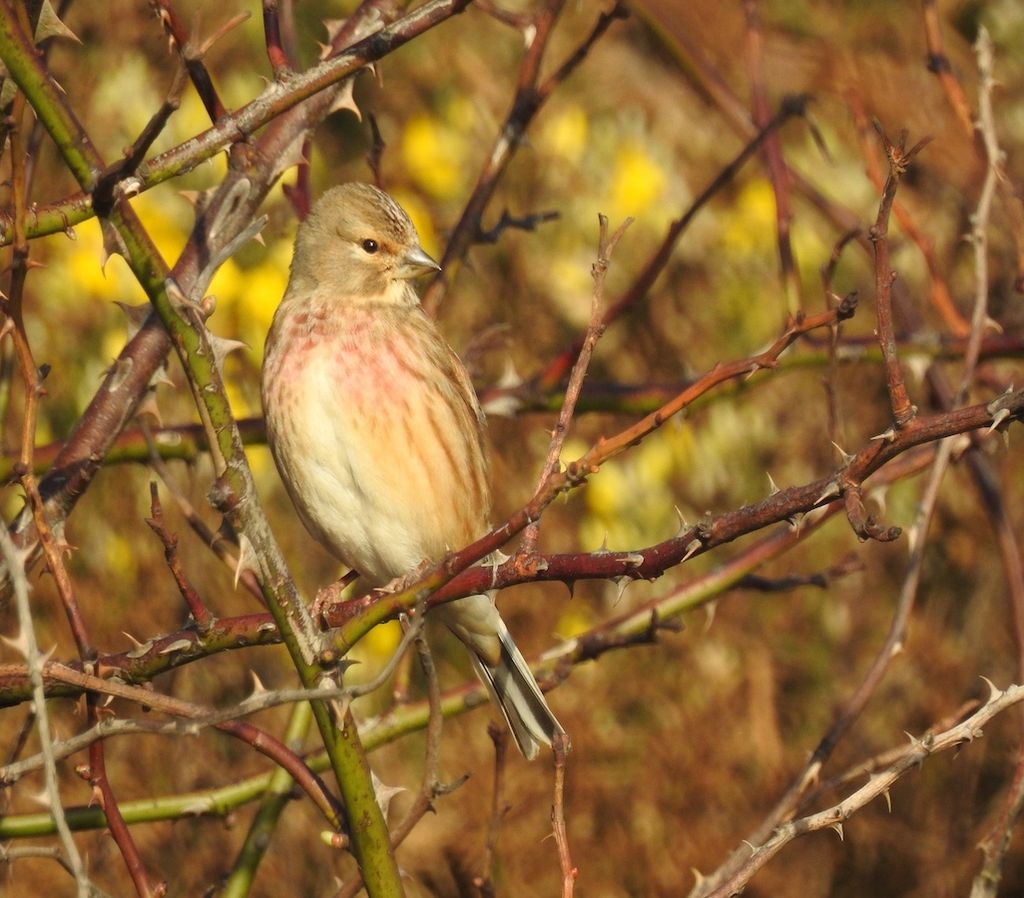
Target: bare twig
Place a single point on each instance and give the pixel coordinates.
(760, 852)
(279, 61)
(530, 95)
(778, 171)
(560, 744)
(557, 368)
(899, 159)
(197, 607)
(940, 66)
(595, 328)
(34, 662)
(192, 54)
(103, 194)
(484, 882)
(938, 289)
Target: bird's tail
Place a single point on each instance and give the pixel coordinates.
(515, 691)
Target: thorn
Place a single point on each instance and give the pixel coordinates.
(683, 524)
(149, 407)
(257, 683)
(42, 797)
(831, 491)
(691, 549)
(19, 643)
(344, 99)
(620, 586)
(838, 827)
(49, 25)
(994, 692)
(915, 743)
(112, 243)
(843, 454)
(881, 497)
(888, 799)
(223, 347)
(161, 378)
(141, 648)
(136, 316)
(571, 586)
(245, 552)
(888, 436)
(119, 373)
(384, 793)
(773, 487)
(709, 615)
(796, 521)
(993, 325)
(998, 418)
(179, 645)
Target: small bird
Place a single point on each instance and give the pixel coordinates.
(376, 430)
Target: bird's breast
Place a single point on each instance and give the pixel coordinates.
(374, 438)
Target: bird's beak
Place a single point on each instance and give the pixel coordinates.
(414, 263)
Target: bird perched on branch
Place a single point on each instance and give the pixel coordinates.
(376, 430)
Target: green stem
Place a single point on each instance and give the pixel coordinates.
(371, 842)
(275, 798)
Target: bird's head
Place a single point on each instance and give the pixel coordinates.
(360, 242)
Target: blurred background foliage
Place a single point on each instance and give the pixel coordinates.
(683, 746)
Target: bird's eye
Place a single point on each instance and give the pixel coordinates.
(370, 246)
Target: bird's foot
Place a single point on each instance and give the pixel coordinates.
(328, 597)
(401, 584)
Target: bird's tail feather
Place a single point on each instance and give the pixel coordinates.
(516, 693)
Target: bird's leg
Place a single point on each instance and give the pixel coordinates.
(329, 596)
(400, 584)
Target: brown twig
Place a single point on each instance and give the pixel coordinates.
(940, 66)
(560, 745)
(778, 171)
(484, 882)
(530, 96)
(196, 606)
(279, 61)
(103, 194)
(819, 579)
(214, 540)
(32, 386)
(760, 852)
(104, 794)
(556, 370)
(899, 159)
(831, 380)
(938, 289)
(605, 246)
(197, 715)
(519, 223)
(192, 55)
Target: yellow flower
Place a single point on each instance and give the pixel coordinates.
(433, 156)
(638, 182)
(750, 225)
(565, 134)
